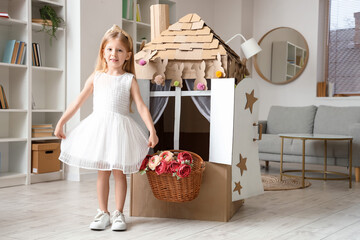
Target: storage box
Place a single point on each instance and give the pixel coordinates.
(45, 157)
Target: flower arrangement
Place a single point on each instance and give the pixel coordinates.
(179, 165)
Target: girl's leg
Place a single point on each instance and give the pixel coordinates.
(120, 189)
(103, 189)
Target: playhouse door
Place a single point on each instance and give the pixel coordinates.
(246, 176)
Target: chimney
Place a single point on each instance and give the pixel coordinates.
(357, 29)
(159, 19)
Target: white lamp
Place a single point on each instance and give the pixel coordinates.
(249, 47)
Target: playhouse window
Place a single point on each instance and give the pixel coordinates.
(178, 122)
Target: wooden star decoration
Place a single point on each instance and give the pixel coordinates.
(238, 187)
(242, 164)
(250, 100)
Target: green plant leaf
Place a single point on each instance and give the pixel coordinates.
(48, 13)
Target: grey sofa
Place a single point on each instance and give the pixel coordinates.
(311, 119)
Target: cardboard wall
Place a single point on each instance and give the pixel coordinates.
(213, 203)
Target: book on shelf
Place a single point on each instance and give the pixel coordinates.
(3, 102)
(42, 134)
(35, 60)
(23, 55)
(36, 54)
(39, 54)
(42, 130)
(15, 51)
(128, 9)
(138, 13)
(124, 9)
(4, 15)
(32, 55)
(42, 126)
(20, 52)
(9, 48)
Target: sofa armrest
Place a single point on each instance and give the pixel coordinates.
(354, 131)
(264, 124)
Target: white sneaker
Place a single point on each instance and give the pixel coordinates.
(118, 221)
(101, 221)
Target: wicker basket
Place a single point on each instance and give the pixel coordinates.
(167, 188)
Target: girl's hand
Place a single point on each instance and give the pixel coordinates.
(153, 140)
(59, 131)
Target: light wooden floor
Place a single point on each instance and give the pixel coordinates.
(63, 210)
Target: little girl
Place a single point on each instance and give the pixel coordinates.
(109, 140)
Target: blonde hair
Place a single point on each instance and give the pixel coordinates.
(115, 32)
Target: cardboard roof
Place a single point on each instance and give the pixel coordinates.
(188, 39)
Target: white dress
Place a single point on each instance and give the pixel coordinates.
(108, 138)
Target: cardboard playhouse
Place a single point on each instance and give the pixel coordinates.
(187, 73)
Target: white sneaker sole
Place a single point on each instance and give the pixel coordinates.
(99, 228)
(119, 228)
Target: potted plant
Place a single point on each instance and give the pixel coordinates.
(50, 18)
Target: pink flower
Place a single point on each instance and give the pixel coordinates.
(161, 168)
(142, 62)
(173, 166)
(184, 156)
(154, 162)
(166, 155)
(145, 162)
(184, 170)
(200, 86)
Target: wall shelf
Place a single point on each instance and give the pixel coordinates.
(27, 85)
(142, 30)
(47, 69)
(13, 110)
(47, 2)
(38, 27)
(44, 138)
(5, 140)
(10, 21)
(48, 110)
(36, 178)
(12, 65)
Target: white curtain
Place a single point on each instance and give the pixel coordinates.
(202, 102)
(158, 104)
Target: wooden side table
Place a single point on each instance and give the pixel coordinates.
(325, 138)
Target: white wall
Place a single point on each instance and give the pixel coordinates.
(73, 72)
(203, 8)
(86, 25)
(226, 18)
(304, 17)
(97, 16)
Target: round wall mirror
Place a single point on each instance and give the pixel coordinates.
(284, 55)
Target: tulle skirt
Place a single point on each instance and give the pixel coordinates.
(105, 141)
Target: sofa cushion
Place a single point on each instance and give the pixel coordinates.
(336, 120)
(291, 119)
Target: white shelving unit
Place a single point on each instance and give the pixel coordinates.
(142, 30)
(36, 95)
(287, 60)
